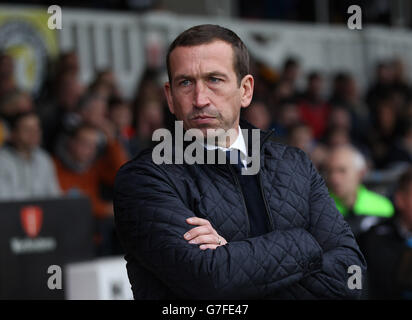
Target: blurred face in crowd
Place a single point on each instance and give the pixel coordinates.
(6, 66)
(69, 62)
(291, 73)
(27, 133)
(83, 146)
(95, 111)
(18, 103)
(150, 118)
(351, 89)
(386, 116)
(343, 173)
(204, 91)
(340, 118)
(385, 73)
(403, 201)
(258, 115)
(338, 137)
(407, 140)
(289, 115)
(121, 115)
(69, 91)
(301, 137)
(398, 70)
(283, 90)
(315, 86)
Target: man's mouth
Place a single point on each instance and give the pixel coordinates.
(203, 118)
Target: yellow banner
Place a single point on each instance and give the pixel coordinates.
(24, 34)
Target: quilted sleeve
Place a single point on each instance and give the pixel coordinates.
(150, 221)
(339, 247)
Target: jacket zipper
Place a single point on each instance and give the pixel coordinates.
(241, 194)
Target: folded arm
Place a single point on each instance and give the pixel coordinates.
(151, 221)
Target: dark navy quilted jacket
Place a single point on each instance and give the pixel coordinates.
(306, 254)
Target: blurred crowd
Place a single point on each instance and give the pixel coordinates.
(71, 139)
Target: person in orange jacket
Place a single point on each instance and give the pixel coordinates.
(81, 170)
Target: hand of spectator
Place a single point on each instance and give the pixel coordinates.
(204, 234)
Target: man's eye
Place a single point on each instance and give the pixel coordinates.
(214, 80)
(184, 83)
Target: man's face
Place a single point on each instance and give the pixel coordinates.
(204, 91)
(342, 176)
(27, 133)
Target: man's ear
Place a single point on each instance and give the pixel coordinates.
(168, 93)
(246, 90)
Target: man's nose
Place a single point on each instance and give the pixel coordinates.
(200, 98)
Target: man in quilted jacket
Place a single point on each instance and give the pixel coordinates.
(210, 230)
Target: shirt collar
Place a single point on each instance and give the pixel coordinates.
(239, 144)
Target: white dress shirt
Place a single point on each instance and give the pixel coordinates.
(239, 144)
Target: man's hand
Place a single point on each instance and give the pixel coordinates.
(204, 234)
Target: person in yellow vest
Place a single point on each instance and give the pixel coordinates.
(362, 208)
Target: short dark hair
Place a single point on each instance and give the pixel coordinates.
(86, 99)
(290, 62)
(75, 131)
(207, 33)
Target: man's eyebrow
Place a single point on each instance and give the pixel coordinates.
(206, 75)
(182, 76)
(216, 74)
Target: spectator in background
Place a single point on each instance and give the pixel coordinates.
(80, 170)
(362, 208)
(290, 74)
(26, 171)
(3, 132)
(11, 104)
(257, 114)
(149, 117)
(400, 83)
(120, 114)
(381, 87)
(287, 116)
(56, 111)
(300, 136)
(340, 131)
(15, 102)
(346, 96)
(336, 137)
(282, 92)
(313, 109)
(388, 248)
(384, 132)
(7, 81)
(91, 109)
(105, 85)
(400, 153)
(68, 62)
